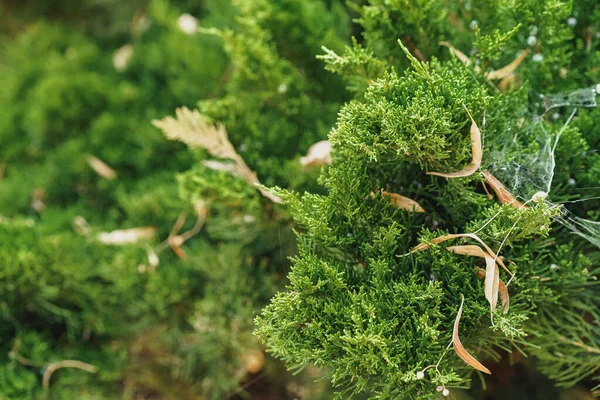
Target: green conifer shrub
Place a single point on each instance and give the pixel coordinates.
(377, 316)
(105, 318)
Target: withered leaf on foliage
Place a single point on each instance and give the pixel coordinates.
(492, 276)
(503, 194)
(440, 239)
(191, 128)
(497, 74)
(126, 236)
(403, 202)
(476, 150)
(101, 168)
(319, 154)
(459, 348)
(502, 290)
(492, 279)
(507, 70)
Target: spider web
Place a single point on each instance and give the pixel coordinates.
(523, 159)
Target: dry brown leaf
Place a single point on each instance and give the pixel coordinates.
(468, 250)
(492, 278)
(476, 150)
(503, 194)
(405, 203)
(440, 239)
(462, 57)
(504, 297)
(101, 168)
(126, 236)
(501, 73)
(437, 240)
(191, 128)
(507, 83)
(502, 290)
(318, 154)
(507, 70)
(459, 348)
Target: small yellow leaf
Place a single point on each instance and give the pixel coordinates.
(476, 150)
(459, 348)
(405, 203)
(507, 70)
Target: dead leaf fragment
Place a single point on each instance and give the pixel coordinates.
(468, 250)
(126, 236)
(501, 73)
(491, 274)
(319, 154)
(192, 128)
(492, 279)
(504, 196)
(405, 203)
(476, 150)
(462, 57)
(101, 168)
(507, 70)
(502, 290)
(459, 348)
(504, 297)
(440, 239)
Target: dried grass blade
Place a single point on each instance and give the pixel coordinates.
(459, 348)
(507, 70)
(405, 203)
(492, 279)
(476, 150)
(503, 194)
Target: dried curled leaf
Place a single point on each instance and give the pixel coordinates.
(507, 70)
(191, 128)
(501, 73)
(440, 239)
(468, 250)
(126, 236)
(405, 203)
(502, 290)
(101, 168)
(459, 348)
(476, 150)
(492, 278)
(462, 57)
(504, 297)
(503, 194)
(318, 154)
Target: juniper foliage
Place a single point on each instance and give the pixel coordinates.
(374, 314)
